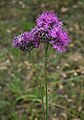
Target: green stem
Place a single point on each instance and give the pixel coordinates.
(45, 74)
(41, 92)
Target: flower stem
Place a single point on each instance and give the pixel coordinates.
(39, 79)
(45, 75)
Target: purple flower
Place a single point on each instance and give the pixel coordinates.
(60, 40)
(48, 20)
(25, 41)
(48, 30)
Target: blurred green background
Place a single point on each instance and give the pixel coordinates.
(19, 95)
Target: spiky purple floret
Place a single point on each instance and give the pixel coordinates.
(60, 41)
(25, 41)
(48, 19)
(18, 40)
(53, 32)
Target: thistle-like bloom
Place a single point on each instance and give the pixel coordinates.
(48, 30)
(25, 41)
(52, 31)
(60, 40)
(47, 20)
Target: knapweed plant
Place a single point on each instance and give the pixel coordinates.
(49, 31)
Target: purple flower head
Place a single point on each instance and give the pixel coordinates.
(48, 19)
(48, 30)
(24, 41)
(46, 22)
(60, 40)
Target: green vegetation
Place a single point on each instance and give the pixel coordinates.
(19, 95)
